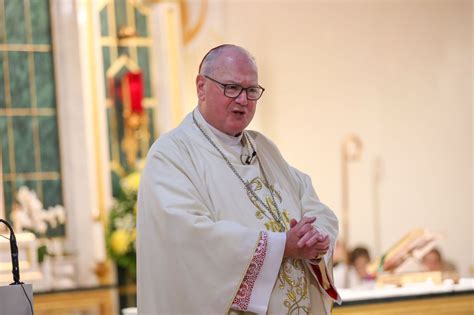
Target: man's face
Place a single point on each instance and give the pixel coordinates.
(229, 115)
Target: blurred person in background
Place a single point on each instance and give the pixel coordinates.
(433, 261)
(359, 260)
(351, 269)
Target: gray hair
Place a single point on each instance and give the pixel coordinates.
(207, 63)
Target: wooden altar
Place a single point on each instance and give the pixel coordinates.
(101, 300)
(444, 303)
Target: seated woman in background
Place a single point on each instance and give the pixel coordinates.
(433, 261)
(352, 271)
(359, 259)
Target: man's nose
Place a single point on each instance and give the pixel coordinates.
(242, 98)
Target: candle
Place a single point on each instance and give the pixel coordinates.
(134, 83)
(99, 242)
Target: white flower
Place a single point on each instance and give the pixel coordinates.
(23, 219)
(29, 212)
(60, 214)
(23, 195)
(127, 222)
(50, 216)
(41, 227)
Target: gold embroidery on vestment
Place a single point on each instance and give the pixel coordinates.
(292, 275)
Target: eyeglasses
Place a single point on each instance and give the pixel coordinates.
(233, 90)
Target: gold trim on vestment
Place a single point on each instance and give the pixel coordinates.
(297, 289)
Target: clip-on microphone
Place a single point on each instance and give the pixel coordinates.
(248, 158)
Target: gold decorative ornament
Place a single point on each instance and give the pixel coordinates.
(189, 31)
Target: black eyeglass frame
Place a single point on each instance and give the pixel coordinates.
(224, 85)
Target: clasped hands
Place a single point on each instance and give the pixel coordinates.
(304, 241)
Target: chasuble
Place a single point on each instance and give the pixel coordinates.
(205, 245)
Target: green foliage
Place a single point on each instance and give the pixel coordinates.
(121, 227)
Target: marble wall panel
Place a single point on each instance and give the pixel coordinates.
(104, 26)
(15, 25)
(40, 21)
(144, 63)
(120, 14)
(2, 83)
(23, 143)
(141, 23)
(49, 149)
(4, 144)
(52, 195)
(106, 62)
(44, 80)
(7, 196)
(19, 76)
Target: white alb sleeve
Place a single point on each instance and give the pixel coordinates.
(266, 279)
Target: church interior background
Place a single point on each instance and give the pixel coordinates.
(373, 99)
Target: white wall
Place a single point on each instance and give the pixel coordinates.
(396, 73)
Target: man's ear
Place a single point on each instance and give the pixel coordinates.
(200, 80)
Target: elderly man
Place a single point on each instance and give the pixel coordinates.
(225, 225)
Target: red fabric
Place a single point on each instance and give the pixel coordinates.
(135, 85)
(331, 291)
(242, 299)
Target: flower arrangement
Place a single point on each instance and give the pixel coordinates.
(28, 215)
(121, 228)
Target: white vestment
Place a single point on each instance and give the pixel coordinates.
(198, 228)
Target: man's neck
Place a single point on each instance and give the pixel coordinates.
(221, 134)
(232, 141)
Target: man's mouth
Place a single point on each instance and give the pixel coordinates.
(238, 112)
